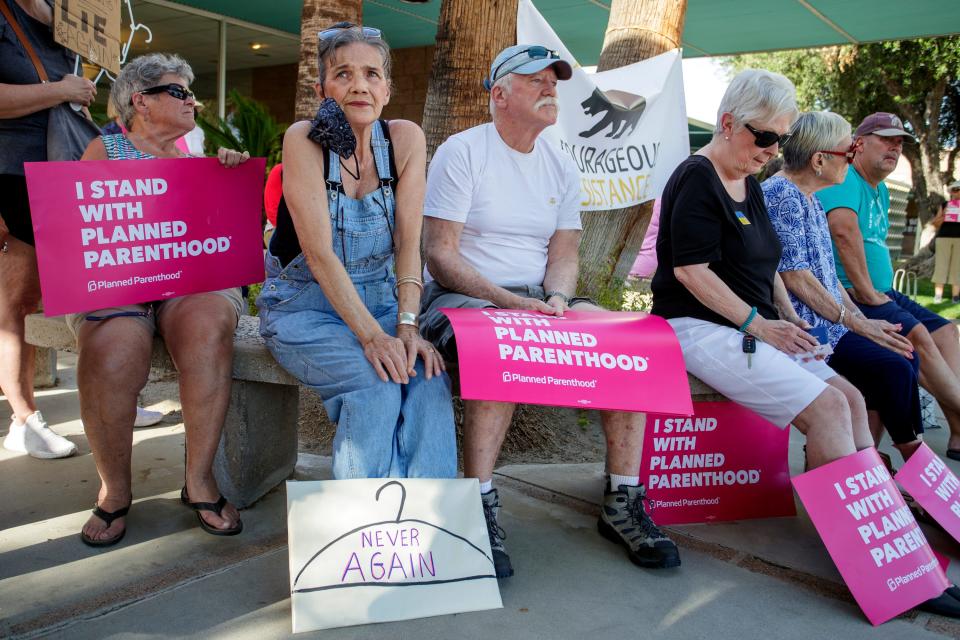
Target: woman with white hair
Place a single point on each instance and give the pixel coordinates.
(718, 279)
(871, 354)
(153, 99)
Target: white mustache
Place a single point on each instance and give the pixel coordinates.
(545, 102)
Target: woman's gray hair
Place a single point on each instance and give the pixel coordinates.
(757, 95)
(348, 35)
(142, 73)
(813, 131)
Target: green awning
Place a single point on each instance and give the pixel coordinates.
(713, 27)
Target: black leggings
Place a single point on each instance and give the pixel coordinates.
(15, 207)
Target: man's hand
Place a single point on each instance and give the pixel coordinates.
(871, 298)
(76, 89)
(534, 304)
(559, 305)
(231, 158)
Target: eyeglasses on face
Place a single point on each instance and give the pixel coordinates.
(368, 32)
(534, 53)
(849, 154)
(764, 139)
(173, 89)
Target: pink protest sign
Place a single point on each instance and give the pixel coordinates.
(871, 535)
(952, 211)
(117, 232)
(697, 469)
(934, 486)
(615, 360)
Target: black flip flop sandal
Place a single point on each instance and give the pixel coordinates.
(213, 507)
(108, 517)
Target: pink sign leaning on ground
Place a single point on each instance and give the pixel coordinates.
(871, 535)
(117, 232)
(934, 486)
(616, 360)
(698, 469)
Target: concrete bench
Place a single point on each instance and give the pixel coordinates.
(258, 449)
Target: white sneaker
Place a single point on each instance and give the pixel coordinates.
(147, 418)
(37, 439)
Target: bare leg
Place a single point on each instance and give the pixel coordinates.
(112, 369)
(938, 291)
(19, 296)
(485, 425)
(908, 449)
(859, 422)
(826, 423)
(939, 370)
(198, 332)
(624, 435)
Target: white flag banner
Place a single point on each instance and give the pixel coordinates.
(625, 128)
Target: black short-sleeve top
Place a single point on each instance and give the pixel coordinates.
(701, 224)
(24, 139)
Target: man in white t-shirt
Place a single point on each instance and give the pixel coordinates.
(501, 229)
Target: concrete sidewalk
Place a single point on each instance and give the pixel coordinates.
(757, 579)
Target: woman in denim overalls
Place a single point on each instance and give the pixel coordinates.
(329, 309)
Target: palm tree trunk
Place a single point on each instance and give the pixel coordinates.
(470, 34)
(636, 30)
(318, 15)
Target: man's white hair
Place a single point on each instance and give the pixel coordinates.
(505, 83)
(757, 95)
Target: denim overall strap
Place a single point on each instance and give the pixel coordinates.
(381, 155)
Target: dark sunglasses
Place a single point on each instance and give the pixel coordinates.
(849, 154)
(368, 32)
(177, 91)
(534, 53)
(764, 139)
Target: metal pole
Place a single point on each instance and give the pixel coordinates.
(222, 72)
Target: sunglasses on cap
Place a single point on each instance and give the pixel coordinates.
(177, 91)
(849, 154)
(368, 32)
(764, 139)
(534, 53)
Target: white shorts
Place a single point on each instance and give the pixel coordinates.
(775, 386)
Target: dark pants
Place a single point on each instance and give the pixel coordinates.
(887, 380)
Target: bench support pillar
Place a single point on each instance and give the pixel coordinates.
(45, 368)
(258, 449)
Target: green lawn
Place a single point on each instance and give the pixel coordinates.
(946, 308)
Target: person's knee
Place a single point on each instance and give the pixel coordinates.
(117, 361)
(830, 408)
(947, 332)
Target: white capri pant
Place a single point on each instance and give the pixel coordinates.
(775, 386)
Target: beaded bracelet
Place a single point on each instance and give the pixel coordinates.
(746, 323)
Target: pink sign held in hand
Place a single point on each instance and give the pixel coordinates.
(117, 232)
(614, 360)
(871, 535)
(698, 470)
(952, 211)
(928, 479)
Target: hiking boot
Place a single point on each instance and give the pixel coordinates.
(491, 509)
(624, 520)
(37, 439)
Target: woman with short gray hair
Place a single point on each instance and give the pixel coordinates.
(869, 353)
(153, 98)
(717, 281)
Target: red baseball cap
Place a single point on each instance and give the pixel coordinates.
(882, 124)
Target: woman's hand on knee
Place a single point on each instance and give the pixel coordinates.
(389, 358)
(783, 335)
(417, 346)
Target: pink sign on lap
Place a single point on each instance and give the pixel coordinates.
(698, 469)
(118, 232)
(934, 486)
(615, 360)
(871, 535)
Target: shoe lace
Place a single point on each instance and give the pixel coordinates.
(641, 517)
(494, 530)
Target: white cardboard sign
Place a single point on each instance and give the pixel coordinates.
(378, 550)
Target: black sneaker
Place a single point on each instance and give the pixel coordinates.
(624, 520)
(491, 508)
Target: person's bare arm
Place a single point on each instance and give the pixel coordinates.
(805, 286)
(447, 266)
(306, 198)
(563, 264)
(18, 100)
(707, 287)
(846, 234)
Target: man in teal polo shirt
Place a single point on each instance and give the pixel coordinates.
(857, 213)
